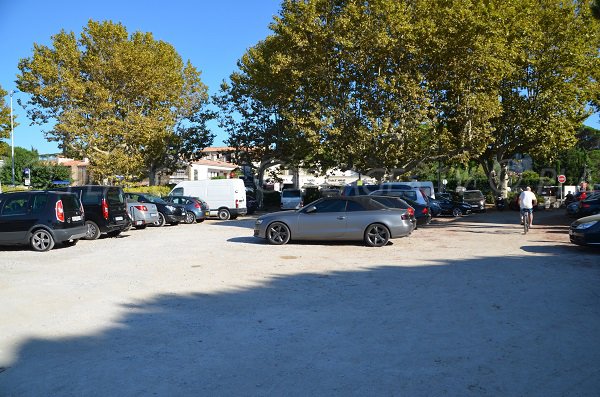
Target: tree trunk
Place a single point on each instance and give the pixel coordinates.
(152, 176)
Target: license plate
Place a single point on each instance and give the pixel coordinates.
(138, 222)
(118, 218)
(76, 218)
(154, 215)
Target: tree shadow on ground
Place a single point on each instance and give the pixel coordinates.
(486, 326)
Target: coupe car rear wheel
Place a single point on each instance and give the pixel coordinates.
(190, 217)
(41, 240)
(93, 231)
(377, 235)
(456, 212)
(278, 233)
(160, 222)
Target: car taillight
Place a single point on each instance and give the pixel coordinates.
(237, 204)
(197, 205)
(425, 210)
(141, 207)
(410, 211)
(584, 205)
(104, 209)
(60, 211)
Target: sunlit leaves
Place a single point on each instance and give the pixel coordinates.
(128, 102)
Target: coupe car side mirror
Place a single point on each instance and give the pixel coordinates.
(311, 209)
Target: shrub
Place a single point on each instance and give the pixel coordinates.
(159, 191)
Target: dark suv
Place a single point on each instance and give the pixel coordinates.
(105, 209)
(40, 219)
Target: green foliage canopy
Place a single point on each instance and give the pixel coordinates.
(5, 116)
(390, 83)
(127, 102)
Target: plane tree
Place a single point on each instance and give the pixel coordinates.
(126, 101)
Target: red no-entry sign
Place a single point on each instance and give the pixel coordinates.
(562, 179)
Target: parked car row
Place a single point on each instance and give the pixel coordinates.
(65, 215)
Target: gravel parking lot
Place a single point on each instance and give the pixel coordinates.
(465, 306)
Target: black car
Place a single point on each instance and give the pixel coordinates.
(589, 206)
(197, 210)
(251, 204)
(170, 213)
(434, 205)
(397, 202)
(422, 212)
(586, 231)
(475, 198)
(41, 219)
(105, 209)
(452, 207)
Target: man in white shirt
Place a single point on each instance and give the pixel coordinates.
(526, 200)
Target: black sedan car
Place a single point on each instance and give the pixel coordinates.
(422, 212)
(170, 213)
(586, 231)
(589, 206)
(452, 207)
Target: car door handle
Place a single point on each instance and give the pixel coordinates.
(341, 218)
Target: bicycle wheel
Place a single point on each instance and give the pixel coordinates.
(526, 222)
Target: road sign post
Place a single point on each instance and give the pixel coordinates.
(561, 179)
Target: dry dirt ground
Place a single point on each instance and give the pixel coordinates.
(462, 307)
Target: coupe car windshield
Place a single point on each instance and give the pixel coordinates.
(155, 199)
(473, 195)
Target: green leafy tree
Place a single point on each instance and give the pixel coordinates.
(544, 98)
(23, 159)
(43, 174)
(5, 116)
(387, 84)
(127, 102)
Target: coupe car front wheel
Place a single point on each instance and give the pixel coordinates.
(41, 240)
(278, 233)
(377, 235)
(456, 212)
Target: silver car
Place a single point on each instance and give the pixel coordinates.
(337, 218)
(141, 214)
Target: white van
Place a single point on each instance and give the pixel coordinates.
(225, 197)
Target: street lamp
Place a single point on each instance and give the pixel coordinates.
(12, 138)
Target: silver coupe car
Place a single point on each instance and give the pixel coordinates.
(337, 218)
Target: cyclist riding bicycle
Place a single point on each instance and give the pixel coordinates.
(527, 200)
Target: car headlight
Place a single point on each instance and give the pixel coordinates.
(170, 208)
(259, 221)
(586, 225)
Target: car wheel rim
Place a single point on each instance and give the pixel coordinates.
(190, 217)
(91, 231)
(41, 241)
(278, 234)
(377, 235)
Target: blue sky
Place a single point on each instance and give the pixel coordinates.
(213, 35)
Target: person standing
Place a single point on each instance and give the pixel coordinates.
(527, 200)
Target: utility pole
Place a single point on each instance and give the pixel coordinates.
(12, 138)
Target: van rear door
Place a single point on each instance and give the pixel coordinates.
(117, 208)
